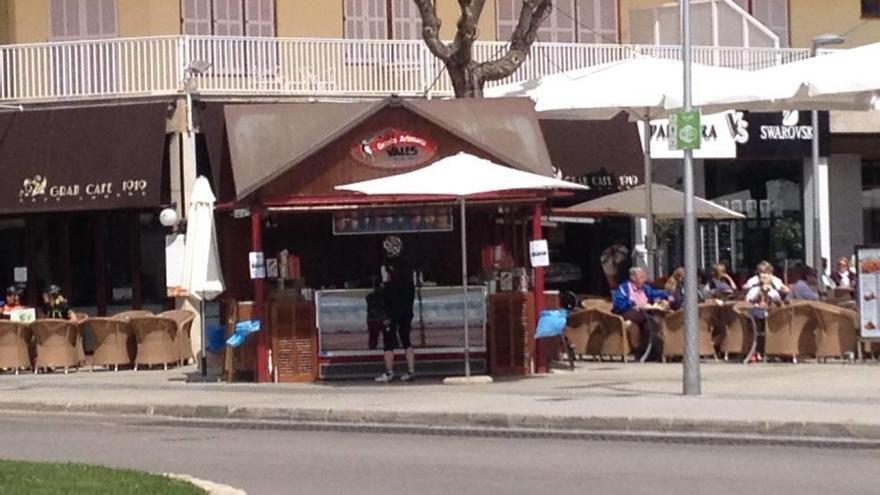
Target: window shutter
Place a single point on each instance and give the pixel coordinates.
(597, 21)
(365, 19)
(108, 18)
(407, 22)
(57, 19)
(82, 19)
(196, 17)
(774, 15)
(228, 18)
(260, 18)
(507, 13)
(559, 26)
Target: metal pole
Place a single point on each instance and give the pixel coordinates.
(204, 363)
(817, 228)
(691, 359)
(649, 203)
(464, 290)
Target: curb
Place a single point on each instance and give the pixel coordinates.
(210, 487)
(486, 424)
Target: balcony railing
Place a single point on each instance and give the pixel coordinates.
(311, 67)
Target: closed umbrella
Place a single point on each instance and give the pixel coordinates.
(202, 276)
(460, 176)
(646, 88)
(666, 204)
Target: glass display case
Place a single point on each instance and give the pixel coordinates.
(341, 317)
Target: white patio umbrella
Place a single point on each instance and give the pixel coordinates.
(646, 88)
(666, 204)
(460, 176)
(842, 80)
(202, 276)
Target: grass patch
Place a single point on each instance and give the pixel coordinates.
(33, 478)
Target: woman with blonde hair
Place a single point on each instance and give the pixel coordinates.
(722, 284)
(675, 288)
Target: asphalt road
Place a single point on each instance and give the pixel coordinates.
(312, 462)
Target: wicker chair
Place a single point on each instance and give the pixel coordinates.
(127, 315)
(15, 345)
(56, 344)
(609, 334)
(184, 321)
(790, 331)
(83, 342)
(672, 331)
(738, 332)
(156, 342)
(837, 332)
(112, 342)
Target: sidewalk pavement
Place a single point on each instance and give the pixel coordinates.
(817, 401)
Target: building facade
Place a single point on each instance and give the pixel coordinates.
(58, 55)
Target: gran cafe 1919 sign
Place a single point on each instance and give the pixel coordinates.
(40, 188)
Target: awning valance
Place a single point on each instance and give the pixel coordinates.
(89, 158)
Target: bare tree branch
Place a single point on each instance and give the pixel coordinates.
(532, 15)
(466, 32)
(431, 30)
(467, 75)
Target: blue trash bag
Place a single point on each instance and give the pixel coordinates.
(215, 338)
(242, 330)
(551, 323)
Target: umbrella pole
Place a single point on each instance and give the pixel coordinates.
(649, 202)
(204, 346)
(464, 289)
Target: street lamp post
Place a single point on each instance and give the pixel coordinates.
(818, 41)
(691, 358)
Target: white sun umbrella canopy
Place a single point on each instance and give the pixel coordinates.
(460, 176)
(667, 205)
(842, 80)
(202, 276)
(644, 87)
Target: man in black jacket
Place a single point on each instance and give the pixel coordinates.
(399, 291)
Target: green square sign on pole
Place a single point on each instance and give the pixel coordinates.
(685, 130)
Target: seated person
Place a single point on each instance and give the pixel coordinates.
(805, 288)
(674, 287)
(55, 305)
(844, 276)
(632, 300)
(762, 296)
(12, 301)
(722, 285)
(765, 267)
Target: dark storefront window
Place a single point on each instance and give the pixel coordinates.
(871, 200)
(770, 194)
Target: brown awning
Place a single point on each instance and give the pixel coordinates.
(86, 158)
(266, 141)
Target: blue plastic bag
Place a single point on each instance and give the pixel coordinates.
(242, 330)
(551, 323)
(215, 338)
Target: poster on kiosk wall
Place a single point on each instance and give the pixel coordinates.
(868, 273)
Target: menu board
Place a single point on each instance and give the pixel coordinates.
(868, 272)
(393, 220)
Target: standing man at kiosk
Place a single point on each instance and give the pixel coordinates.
(399, 291)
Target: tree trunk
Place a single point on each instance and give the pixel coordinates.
(467, 81)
